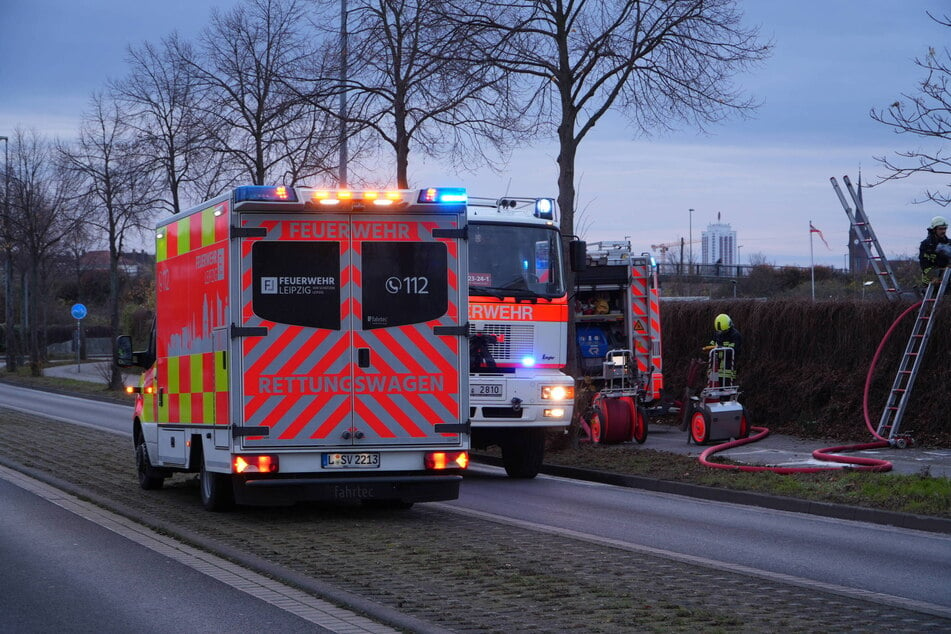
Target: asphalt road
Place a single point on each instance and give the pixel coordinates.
(65, 573)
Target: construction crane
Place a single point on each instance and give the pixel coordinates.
(664, 247)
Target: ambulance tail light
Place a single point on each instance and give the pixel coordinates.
(255, 464)
(442, 460)
(265, 193)
(443, 195)
(558, 392)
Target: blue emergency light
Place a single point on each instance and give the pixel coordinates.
(545, 208)
(265, 193)
(443, 195)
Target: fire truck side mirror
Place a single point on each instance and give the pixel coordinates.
(577, 255)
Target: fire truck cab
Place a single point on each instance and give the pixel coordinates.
(518, 329)
(308, 345)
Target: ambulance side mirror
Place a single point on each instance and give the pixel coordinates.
(125, 358)
(124, 352)
(578, 255)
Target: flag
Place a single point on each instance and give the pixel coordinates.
(812, 229)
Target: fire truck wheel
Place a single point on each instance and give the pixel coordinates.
(616, 420)
(523, 454)
(149, 478)
(639, 429)
(700, 426)
(594, 423)
(744, 424)
(217, 493)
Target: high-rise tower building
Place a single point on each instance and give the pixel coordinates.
(719, 244)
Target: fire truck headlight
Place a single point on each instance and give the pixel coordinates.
(255, 464)
(558, 392)
(555, 412)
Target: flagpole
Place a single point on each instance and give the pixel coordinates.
(812, 264)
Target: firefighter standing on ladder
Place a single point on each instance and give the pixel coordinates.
(934, 253)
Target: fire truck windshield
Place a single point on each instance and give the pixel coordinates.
(514, 260)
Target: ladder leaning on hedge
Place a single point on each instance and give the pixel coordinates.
(910, 362)
(866, 236)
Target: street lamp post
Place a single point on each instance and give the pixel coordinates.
(8, 263)
(690, 257)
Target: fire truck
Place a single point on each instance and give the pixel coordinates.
(617, 317)
(308, 345)
(518, 329)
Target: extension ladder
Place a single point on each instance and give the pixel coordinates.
(908, 369)
(866, 236)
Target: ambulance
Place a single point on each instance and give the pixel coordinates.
(308, 345)
(518, 329)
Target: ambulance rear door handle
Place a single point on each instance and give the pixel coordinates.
(363, 357)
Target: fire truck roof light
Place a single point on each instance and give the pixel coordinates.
(265, 193)
(443, 195)
(545, 208)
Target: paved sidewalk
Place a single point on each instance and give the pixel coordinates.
(91, 371)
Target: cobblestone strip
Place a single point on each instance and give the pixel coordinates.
(459, 572)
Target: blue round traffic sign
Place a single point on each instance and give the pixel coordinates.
(78, 311)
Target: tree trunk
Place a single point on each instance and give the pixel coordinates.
(115, 376)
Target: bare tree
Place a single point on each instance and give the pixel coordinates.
(659, 64)
(416, 79)
(41, 217)
(242, 62)
(120, 192)
(162, 98)
(927, 114)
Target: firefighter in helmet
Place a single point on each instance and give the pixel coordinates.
(725, 335)
(934, 253)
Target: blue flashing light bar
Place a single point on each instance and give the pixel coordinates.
(265, 193)
(443, 195)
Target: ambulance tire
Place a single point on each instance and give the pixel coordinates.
(217, 490)
(150, 478)
(523, 453)
(616, 420)
(700, 426)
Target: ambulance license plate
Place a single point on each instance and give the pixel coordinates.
(367, 460)
(488, 390)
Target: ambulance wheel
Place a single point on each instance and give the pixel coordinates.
(700, 426)
(524, 453)
(217, 492)
(616, 420)
(150, 478)
(639, 427)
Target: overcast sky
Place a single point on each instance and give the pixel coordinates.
(768, 177)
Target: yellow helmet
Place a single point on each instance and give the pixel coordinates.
(722, 322)
(938, 221)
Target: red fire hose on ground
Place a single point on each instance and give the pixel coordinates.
(826, 454)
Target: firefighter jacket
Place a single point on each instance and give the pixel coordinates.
(928, 255)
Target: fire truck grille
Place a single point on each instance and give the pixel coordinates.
(516, 341)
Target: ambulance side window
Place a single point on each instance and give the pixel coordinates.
(297, 283)
(404, 283)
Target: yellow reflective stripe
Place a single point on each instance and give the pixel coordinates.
(208, 227)
(184, 236)
(174, 375)
(185, 408)
(161, 245)
(195, 373)
(221, 373)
